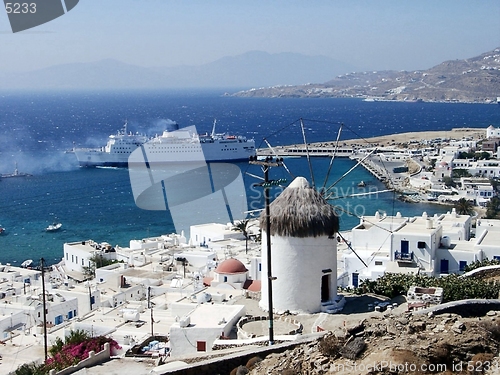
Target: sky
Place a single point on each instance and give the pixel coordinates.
(372, 35)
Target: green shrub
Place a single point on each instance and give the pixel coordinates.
(454, 287)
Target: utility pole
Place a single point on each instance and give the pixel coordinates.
(44, 306)
(266, 165)
(150, 306)
(90, 296)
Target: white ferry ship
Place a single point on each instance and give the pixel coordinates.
(172, 145)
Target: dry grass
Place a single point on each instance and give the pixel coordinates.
(479, 362)
(404, 356)
(493, 328)
(330, 346)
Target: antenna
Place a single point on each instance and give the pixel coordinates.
(350, 170)
(333, 156)
(307, 153)
(277, 156)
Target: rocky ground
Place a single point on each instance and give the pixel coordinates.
(393, 343)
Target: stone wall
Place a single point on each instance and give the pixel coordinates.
(242, 334)
(465, 308)
(224, 365)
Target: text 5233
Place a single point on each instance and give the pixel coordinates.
(20, 8)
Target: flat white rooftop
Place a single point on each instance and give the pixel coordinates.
(491, 238)
(211, 315)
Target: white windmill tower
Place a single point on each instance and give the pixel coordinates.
(304, 250)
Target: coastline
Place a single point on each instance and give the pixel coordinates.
(400, 138)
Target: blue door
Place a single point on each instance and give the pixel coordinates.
(405, 247)
(70, 314)
(355, 279)
(444, 266)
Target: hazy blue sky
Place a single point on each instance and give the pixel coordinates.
(373, 35)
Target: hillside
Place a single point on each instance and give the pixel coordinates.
(474, 80)
(395, 344)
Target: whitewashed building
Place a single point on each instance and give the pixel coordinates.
(204, 234)
(431, 245)
(492, 132)
(198, 326)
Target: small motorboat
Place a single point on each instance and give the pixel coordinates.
(27, 263)
(2, 230)
(53, 227)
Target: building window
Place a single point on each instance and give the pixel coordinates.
(378, 263)
(67, 257)
(201, 346)
(496, 257)
(421, 244)
(461, 265)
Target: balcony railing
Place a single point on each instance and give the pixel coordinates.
(404, 257)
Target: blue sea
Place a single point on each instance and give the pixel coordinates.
(37, 128)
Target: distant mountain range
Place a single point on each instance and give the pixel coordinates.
(474, 80)
(251, 69)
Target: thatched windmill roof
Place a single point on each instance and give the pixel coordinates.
(300, 211)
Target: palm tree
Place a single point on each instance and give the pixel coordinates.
(243, 226)
(464, 207)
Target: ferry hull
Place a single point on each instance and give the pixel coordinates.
(92, 159)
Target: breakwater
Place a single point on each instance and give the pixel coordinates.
(287, 151)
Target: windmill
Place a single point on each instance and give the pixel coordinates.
(301, 226)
